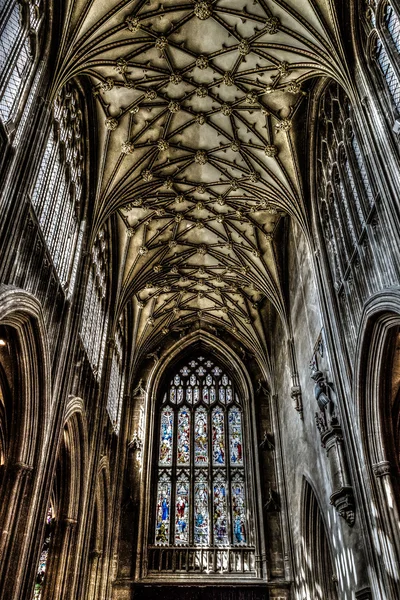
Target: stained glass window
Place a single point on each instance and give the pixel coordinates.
(200, 489)
(58, 188)
(95, 319)
(163, 509)
(19, 33)
(44, 555)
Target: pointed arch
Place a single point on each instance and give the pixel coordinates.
(319, 579)
(68, 496)
(26, 405)
(99, 533)
(377, 414)
(205, 342)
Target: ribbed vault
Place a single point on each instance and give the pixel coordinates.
(195, 108)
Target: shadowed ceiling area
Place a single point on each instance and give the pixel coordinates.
(197, 150)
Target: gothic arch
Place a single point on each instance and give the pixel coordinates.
(228, 359)
(68, 498)
(99, 533)
(319, 578)
(26, 412)
(374, 365)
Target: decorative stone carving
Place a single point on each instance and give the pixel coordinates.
(128, 147)
(271, 151)
(203, 10)
(111, 123)
(295, 394)
(202, 62)
(132, 23)
(327, 422)
(272, 25)
(201, 157)
(382, 469)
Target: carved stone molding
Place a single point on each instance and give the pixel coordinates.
(382, 469)
(343, 501)
(295, 394)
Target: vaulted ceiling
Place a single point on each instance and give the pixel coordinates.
(197, 149)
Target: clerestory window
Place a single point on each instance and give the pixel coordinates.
(201, 495)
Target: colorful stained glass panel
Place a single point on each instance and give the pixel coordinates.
(183, 446)
(201, 518)
(218, 436)
(239, 512)
(182, 512)
(220, 518)
(163, 510)
(189, 394)
(222, 394)
(196, 394)
(166, 432)
(235, 437)
(200, 437)
(205, 395)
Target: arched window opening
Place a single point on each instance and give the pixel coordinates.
(116, 385)
(95, 317)
(382, 30)
(58, 189)
(393, 26)
(388, 73)
(6, 409)
(44, 555)
(319, 573)
(346, 200)
(390, 410)
(202, 501)
(20, 23)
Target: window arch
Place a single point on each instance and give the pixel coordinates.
(58, 189)
(383, 30)
(201, 493)
(346, 202)
(20, 24)
(343, 181)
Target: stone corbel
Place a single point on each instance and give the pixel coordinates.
(295, 394)
(327, 422)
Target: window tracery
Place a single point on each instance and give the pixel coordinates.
(44, 555)
(116, 384)
(346, 198)
(58, 189)
(383, 29)
(201, 498)
(20, 24)
(95, 317)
